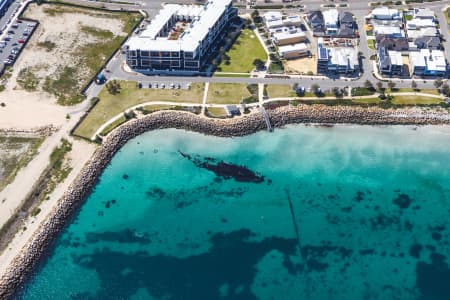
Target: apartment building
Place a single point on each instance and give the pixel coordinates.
(180, 37)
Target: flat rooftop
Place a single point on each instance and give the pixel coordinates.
(201, 19)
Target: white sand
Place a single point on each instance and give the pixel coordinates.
(81, 152)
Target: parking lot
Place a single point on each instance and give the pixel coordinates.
(14, 40)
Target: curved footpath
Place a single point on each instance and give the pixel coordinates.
(28, 257)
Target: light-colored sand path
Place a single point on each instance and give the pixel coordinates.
(80, 154)
(26, 110)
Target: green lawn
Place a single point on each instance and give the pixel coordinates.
(227, 93)
(130, 95)
(371, 44)
(244, 51)
(410, 90)
(231, 75)
(113, 125)
(218, 112)
(411, 100)
(280, 90)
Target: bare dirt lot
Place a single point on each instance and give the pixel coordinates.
(67, 49)
(304, 65)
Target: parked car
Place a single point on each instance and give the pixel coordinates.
(19, 21)
(21, 41)
(11, 31)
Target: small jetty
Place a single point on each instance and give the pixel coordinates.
(266, 118)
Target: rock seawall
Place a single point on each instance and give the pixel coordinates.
(29, 256)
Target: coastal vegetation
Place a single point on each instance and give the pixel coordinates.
(57, 170)
(70, 53)
(27, 79)
(238, 58)
(15, 153)
(129, 95)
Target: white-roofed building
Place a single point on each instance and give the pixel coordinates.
(287, 35)
(420, 23)
(388, 30)
(331, 21)
(428, 63)
(293, 51)
(422, 32)
(339, 60)
(423, 13)
(273, 19)
(386, 13)
(180, 37)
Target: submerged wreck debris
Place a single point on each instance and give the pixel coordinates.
(225, 170)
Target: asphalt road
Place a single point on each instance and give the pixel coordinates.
(358, 7)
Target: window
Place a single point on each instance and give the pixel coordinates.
(145, 53)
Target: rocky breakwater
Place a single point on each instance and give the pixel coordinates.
(356, 115)
(29, 256)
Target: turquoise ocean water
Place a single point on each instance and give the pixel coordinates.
(348, 212)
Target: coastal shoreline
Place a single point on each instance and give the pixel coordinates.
(29, 256)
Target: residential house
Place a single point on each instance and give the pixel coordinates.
(386, 13)
(331, 21)
(316, 21)
(293, 51)
(389, 43)
(428, 62)
(346, 19)
(422, 32)
(338, 60)
(428, 42)
(390, 62)
(423, 13)
(288, 36)
(388, 30)
(273, 19)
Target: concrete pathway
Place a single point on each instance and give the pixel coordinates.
(260, 102)
(205, 96)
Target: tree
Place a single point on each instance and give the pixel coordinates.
(255, 14)
(438, 83)
(380, 86)
(315, 88)
(413, 85)
(113, 87)
(337, 92)
(391, 85)
(368, 85)
(248, 23)
(258, 63)
(446, 89)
